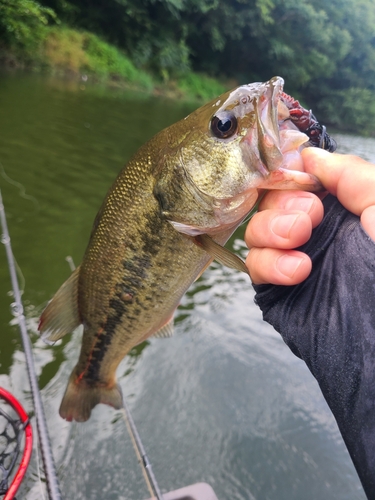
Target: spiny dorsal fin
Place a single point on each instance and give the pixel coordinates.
(219, 253)
(165, 331)
(61, 314)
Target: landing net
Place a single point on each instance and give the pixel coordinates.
(17, 310)
(12, 430)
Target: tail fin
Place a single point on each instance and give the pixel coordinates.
(61, 314)
(80, 398)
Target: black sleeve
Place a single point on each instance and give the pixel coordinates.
(329, 322)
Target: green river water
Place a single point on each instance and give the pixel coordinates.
(224, 401)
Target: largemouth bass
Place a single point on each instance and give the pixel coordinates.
(168, 213)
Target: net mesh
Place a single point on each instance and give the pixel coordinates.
(11, 431)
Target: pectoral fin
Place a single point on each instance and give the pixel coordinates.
(219, 253)
(61, 314)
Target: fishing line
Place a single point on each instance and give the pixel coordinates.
(136, 450)
(70, 261)
(18, 312)
(147, 471)
(21, 187)
(21, 278)
(139, 449)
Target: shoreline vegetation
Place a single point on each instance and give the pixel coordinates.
(197, 49)
(70, 53)
(62, 51)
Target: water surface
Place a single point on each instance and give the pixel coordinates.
(224, 401)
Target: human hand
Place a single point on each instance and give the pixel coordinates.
(286, 218)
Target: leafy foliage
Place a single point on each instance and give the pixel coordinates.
(23, 23)
(324, 50)
(352, 109)
(200, 86)
(85, 52)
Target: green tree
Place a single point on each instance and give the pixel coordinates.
(324, 50)
(22, 24)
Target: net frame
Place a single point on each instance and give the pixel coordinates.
(20, 427)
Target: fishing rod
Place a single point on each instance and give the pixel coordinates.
(141, 453)
(18, 312)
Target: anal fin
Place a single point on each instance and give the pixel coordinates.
(166, 330)
(61, 314)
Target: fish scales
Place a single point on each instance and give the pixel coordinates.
(166, 216)
(142, 244)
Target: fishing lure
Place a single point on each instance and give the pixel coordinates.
(308, 124)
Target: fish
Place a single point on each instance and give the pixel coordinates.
(166, 217)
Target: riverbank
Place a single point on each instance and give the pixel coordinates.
(161, 46)
(81, 55)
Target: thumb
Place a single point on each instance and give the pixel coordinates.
(348, 177)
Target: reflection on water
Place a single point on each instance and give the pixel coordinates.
(361, 146)
(223, 401)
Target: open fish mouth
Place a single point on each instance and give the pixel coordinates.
(283, 129)
(276, 137)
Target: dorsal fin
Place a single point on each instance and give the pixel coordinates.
(61, 314)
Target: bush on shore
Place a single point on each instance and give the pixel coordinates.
(68, 50)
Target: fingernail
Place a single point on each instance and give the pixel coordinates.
(282, 224)
(288, 265)
(300, 203)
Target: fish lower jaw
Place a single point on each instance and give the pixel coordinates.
(284, 178)
(292, 160)
(291, 143)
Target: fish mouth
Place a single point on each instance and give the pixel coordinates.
(276, 138)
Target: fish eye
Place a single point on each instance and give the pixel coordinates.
(224, 124)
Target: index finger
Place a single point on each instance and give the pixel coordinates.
(348, 177)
